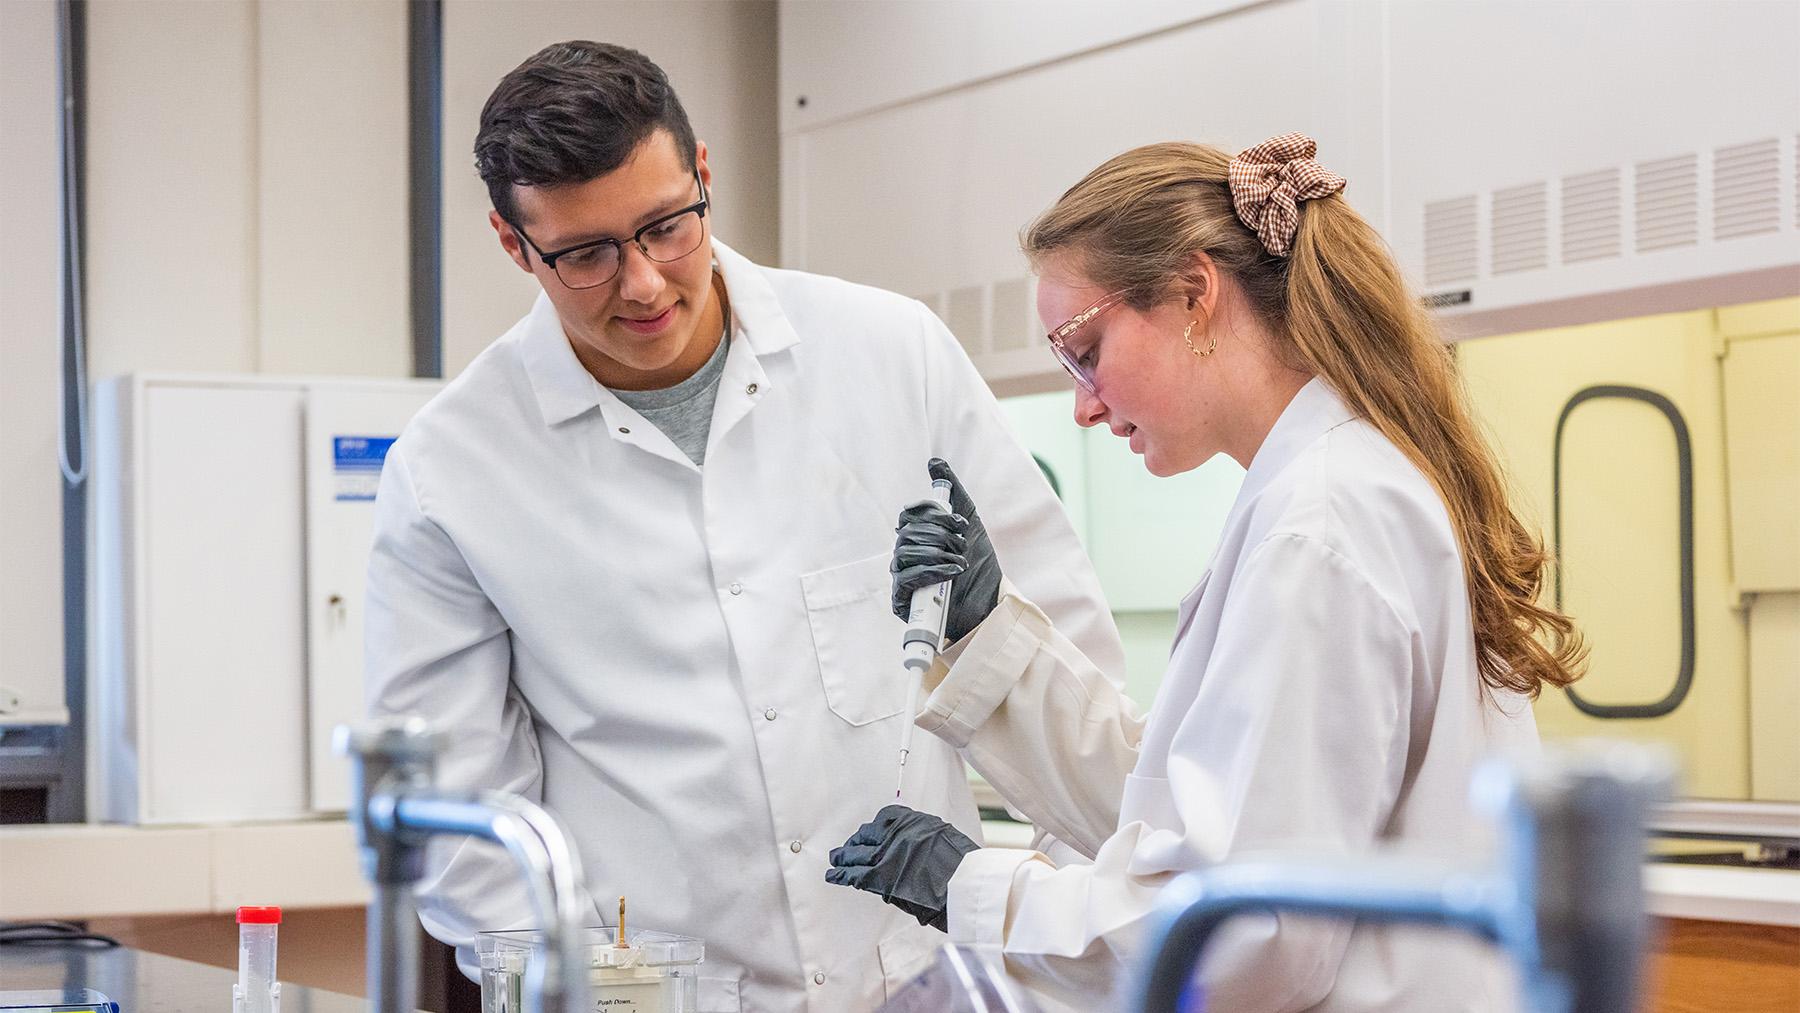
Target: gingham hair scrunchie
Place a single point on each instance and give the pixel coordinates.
(1269, 181)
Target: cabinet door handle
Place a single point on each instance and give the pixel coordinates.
(1684, 459)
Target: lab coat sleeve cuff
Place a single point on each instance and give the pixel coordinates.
(980, 892)
(988, 663)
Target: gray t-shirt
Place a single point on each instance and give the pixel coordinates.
(684, 412)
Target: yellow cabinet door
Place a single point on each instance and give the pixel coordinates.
(1762, 450)
(1613, 438)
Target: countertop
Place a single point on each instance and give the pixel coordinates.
(148, 983)
(1705, 893)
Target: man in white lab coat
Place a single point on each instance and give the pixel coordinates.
(635, 558)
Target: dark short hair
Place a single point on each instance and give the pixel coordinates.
(573, 112)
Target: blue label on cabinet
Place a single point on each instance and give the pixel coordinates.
(356, 465)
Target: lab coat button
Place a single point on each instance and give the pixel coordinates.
(794, 846)
(818, 977)
(736, 588)
(769, 714)
(625, 430)
(750, 389)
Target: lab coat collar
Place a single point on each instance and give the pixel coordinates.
(756, 313)
(1315, 410)
(565, 389)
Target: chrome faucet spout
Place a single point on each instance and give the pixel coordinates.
(1563, 899)
(397, 810)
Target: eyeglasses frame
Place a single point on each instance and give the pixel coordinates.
(1060, 335)
(637, 239)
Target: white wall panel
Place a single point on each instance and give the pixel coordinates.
(31, 659)
(247, 187)
(1485, 97)
(1494, 94)
(991, 109)
(944, 183)
(720, 56)
(245, 210)
(846, 59)
(332, 279)
(172, 186)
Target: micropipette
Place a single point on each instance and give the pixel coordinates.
(919, 647)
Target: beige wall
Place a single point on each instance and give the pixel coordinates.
(720, 54)
(332, 181)
(30, 512)
(246, 205)
(247, 187)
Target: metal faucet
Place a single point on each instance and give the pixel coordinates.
(1564, 898)
(397, 809)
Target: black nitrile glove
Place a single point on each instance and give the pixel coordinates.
(936, 545)
(905, 856)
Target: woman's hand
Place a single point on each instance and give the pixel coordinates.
(907, 858)
(935, 545)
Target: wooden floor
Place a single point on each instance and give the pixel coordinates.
(1720, 967)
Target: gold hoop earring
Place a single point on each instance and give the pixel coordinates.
(1211, 346)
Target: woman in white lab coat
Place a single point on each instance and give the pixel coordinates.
(1366, 634)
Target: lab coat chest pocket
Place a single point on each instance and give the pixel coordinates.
(852, 631)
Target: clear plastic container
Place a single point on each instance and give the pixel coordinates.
(654, 972)
(60, 1000)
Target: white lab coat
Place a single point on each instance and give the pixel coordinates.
(696, 668)
(1321, 697)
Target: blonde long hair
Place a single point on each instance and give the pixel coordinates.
(1337, 307)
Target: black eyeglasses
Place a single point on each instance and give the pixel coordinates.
(594, 263)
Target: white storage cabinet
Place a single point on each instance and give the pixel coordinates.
(230, 531)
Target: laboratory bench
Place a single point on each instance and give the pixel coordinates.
(1728, 939)
(147, 982)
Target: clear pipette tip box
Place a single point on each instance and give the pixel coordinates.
(654, 972)
(84, 1000)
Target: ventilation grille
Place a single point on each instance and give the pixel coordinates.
(1591, 224)
(1521, 226)
(1450, 241)
(1746, 190)
(1009, 325)
(1668, 203)
(966, 316)
(989, 318)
